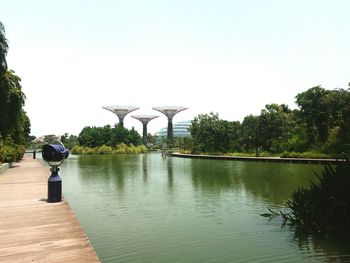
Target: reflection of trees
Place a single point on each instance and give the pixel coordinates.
(273, 182)
(103, 169)
(144, 168)
(170, 173)
(214, 176)
(333, 247)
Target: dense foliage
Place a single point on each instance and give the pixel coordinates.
(104, 149)
(321, 124)
(211, 134)
(108, 140)
(3, 49)
(14, 122)
(108, 136)
(323, 207)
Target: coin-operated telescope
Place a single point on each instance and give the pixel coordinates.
(54, 155)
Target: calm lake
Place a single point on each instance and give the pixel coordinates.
(142, 208)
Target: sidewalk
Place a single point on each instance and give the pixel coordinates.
(32, 230)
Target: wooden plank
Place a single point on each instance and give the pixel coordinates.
(32, 230)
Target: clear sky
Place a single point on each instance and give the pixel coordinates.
(231, 57)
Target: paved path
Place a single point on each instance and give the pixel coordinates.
(32, 230)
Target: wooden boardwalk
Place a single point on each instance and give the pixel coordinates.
(32, 230)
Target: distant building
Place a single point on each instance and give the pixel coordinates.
(180, 129)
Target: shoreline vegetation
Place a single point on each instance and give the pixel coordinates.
(323, 207)
(300, 155)
(104, 149)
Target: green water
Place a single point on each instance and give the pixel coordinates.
(142, 208)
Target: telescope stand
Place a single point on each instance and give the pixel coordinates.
(54, 192)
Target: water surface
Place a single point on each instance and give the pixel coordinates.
(142, 208)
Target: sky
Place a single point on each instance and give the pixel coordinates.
(230, 57)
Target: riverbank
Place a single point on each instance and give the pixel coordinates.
(32, 230)
(258, 159)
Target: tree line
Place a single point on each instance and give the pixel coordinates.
(320, 124)
(105, 140)
(14, 122)
(108, 136)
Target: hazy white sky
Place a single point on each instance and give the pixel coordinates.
(230, 57)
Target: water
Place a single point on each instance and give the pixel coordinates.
(142, 208)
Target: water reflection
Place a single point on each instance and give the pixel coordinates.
(170, 171)
(333, 247)
(276, 182)
(214, 176)
(107, 170)
(144, 168)
(271, 182)
(142, 208)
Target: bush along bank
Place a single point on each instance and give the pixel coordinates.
(302, 155)
(323, 207)
(104, 149)
(11, 153)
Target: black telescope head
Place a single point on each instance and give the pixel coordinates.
(54, 153)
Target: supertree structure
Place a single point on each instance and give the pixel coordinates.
(144, 119)
(121, 111)
(170, 112)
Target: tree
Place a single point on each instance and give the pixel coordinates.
(276, 124)
(326, 114)
(339, 120)
(14, 122)
(211, 134)
(250, 134)
(134, 137)
(69, 141)
(11, 103)
(314, 109)
(3, 50)
(99, 136)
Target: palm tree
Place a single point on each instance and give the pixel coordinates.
(3, 49)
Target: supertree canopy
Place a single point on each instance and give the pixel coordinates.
(121, 111)
(144, 119)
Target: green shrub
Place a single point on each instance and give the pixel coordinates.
(104, 149)
(310, 155)
(242, 154)
(120, 149)
(11, 153)
(19, 152)
(141, 149)
(323, 207)
(2, 154)
(82, 150)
